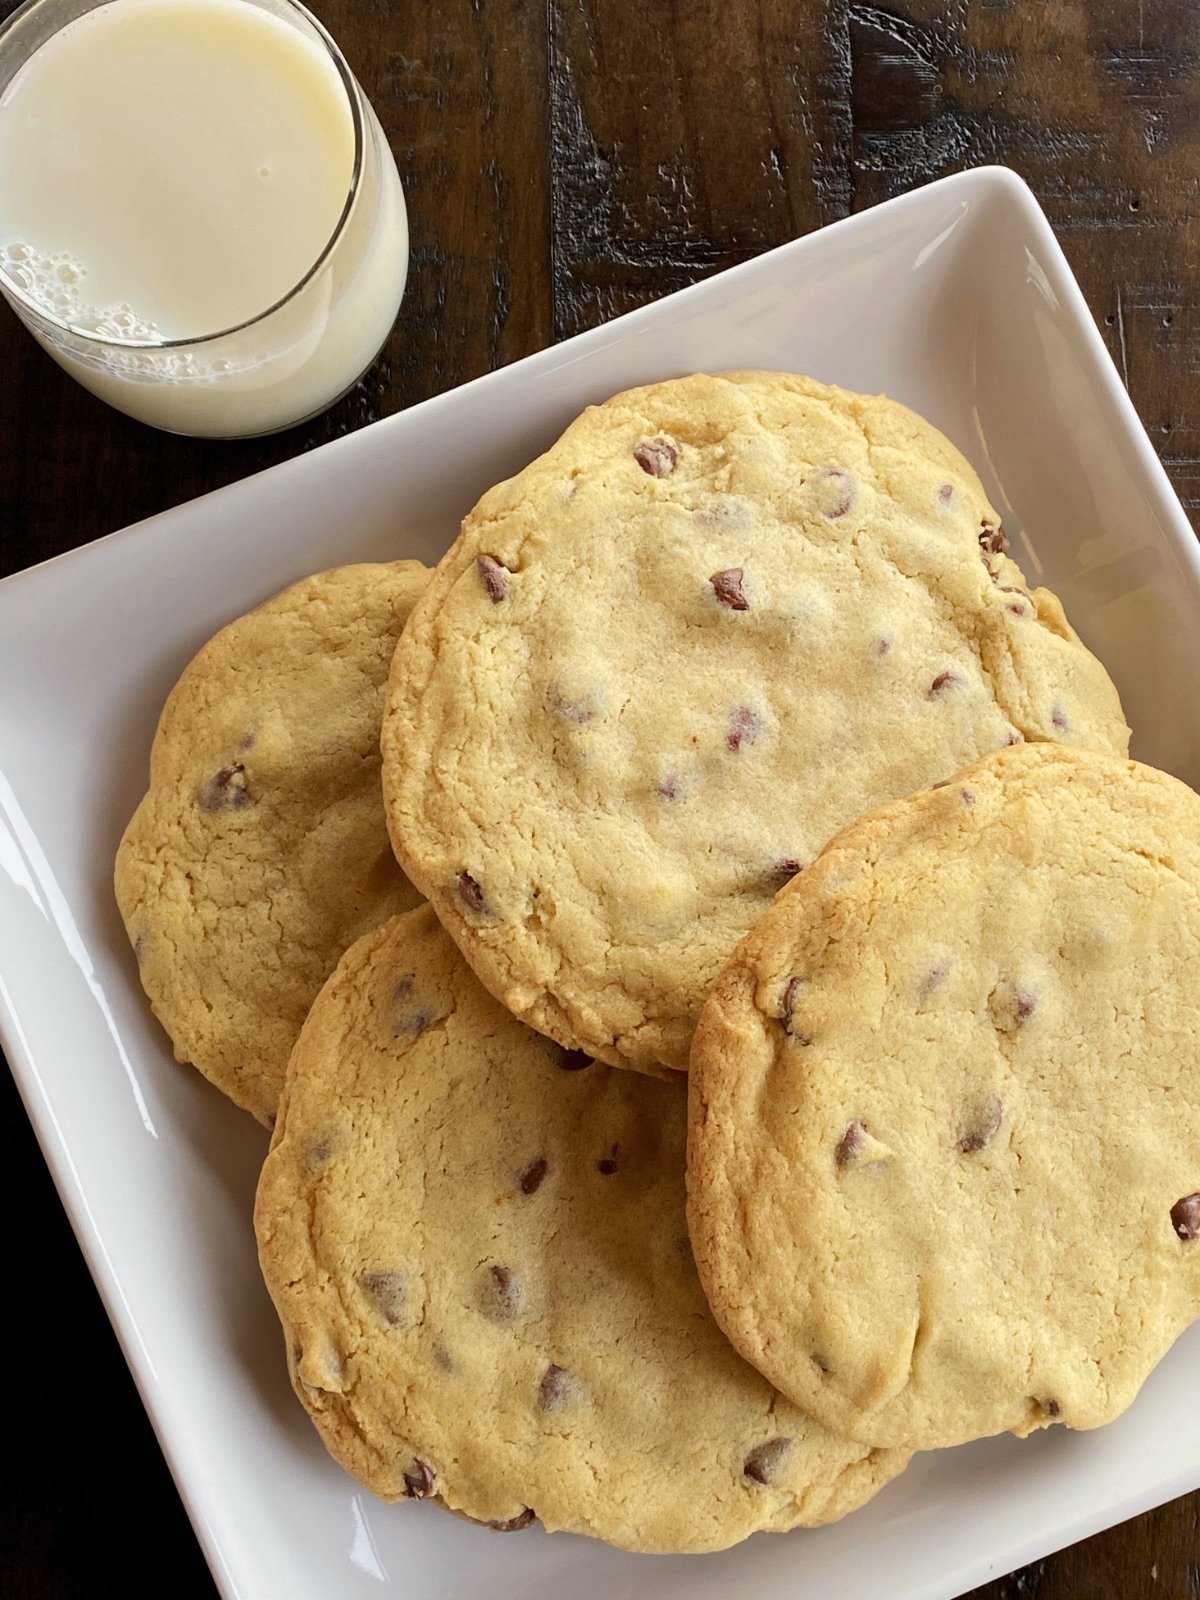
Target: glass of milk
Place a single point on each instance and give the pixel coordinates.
(200, 217)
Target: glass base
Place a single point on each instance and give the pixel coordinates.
(283, 427)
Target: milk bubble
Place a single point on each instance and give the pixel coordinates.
(56, 283)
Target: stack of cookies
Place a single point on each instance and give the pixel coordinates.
(727, 735)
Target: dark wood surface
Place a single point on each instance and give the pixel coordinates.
(564, 161)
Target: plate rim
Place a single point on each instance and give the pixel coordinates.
(997, 183)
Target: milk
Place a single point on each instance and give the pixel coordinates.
(170, 170)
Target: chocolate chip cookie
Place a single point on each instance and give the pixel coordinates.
(944, 1153)
(260, 851)
(663, 665)
(476, 1244)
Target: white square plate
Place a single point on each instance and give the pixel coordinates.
(955, 299)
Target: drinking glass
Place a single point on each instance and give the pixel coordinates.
(287, 362)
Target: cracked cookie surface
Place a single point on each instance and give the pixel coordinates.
(260, 850)
(944, 1147)
(476, 1244)
(663, 665)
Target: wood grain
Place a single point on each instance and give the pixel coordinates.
(564, 161)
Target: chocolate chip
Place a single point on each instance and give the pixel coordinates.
(850, 1143)
(1185, 1217)
(787, 1012)
(1060, 719)
(226, 790)
(557, 1388)
(573, 1060)
(934, 978)
(727, 586)
(745, 725)
(1051, 1408)
(722, 511)
(1017, 607)
(442, 1357)
(946, 494)
(837, 491)
(471, 894)
(320, 1150)
(765, 1461)
(495, 578)
(388, 1293)
(502, 1294)
(575, 711)
(408, 1021)
(883, 644)
(415, 1024)
(656, 456)
(608, 1164)
(419, 1479)
(967, 796)
(943, 681)
(981, 1126)
(991, 538)
(669, 787)
(1014, 738)
(514, 1524)
(1012, 1005)
(783, 871)
(531, 1178)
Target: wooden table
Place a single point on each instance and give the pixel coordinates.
(565, 161)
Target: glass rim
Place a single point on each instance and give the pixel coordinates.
(351, 91)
